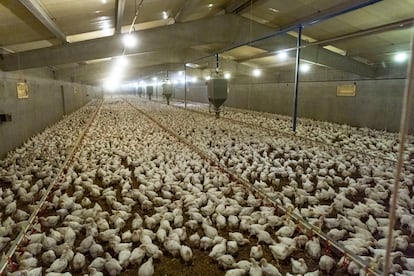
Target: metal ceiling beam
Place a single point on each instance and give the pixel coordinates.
(34, 7)
(196, 34)
(132, 74)
(91, 76)
(149, 64)
(399, 25)
(190, 10)
(185, 9)
(238, 6)
(321, 56)
(120, 8)
(4, 50)
(235, 67)
(315, 54)
(208, 31)
(347, 6)
(97, 72)
(170, 56)
(319, 17)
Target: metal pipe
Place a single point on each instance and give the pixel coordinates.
(399, 25)
(334, 14)
(405, 123)
(217, 62)
(132, 24)
(239, 6)
(120, 8)
(295, 96)
(185, 86)
(136, 15)
(312, 21)
(294, 27)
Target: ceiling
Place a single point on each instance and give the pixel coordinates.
(78, 39)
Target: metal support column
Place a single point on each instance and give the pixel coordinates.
(404, 127)
(295, 97)
(185, 86)
(217, 63)
(62, 92)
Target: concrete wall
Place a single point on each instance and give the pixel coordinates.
(196, 92)
(377, 103)
(47, 104)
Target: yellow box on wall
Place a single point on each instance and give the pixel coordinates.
(22, 90)
(346, 90)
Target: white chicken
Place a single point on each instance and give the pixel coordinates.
(186, 253)
(147, 268)
(299, 266)
(326, 263)
(269, 269)
(256, 252)
(78, 261)
(313, 248)
(226, 261)
(218, 250)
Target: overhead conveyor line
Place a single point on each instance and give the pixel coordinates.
(14, 245)
(296, 217)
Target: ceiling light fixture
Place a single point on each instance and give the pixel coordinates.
(227, 75)
(210, 6)
(282, 55)
(257, 72)
(208, 78)
(105, 25)
(121, 61)
(400, 57)
(304, 68)
(273, 10)
(129, 40)
(154, 79)
(164, 15)
(192, 65)
(111, 83)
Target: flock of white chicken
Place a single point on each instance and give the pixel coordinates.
(27, 171)
(135, 196)
(379, 143)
